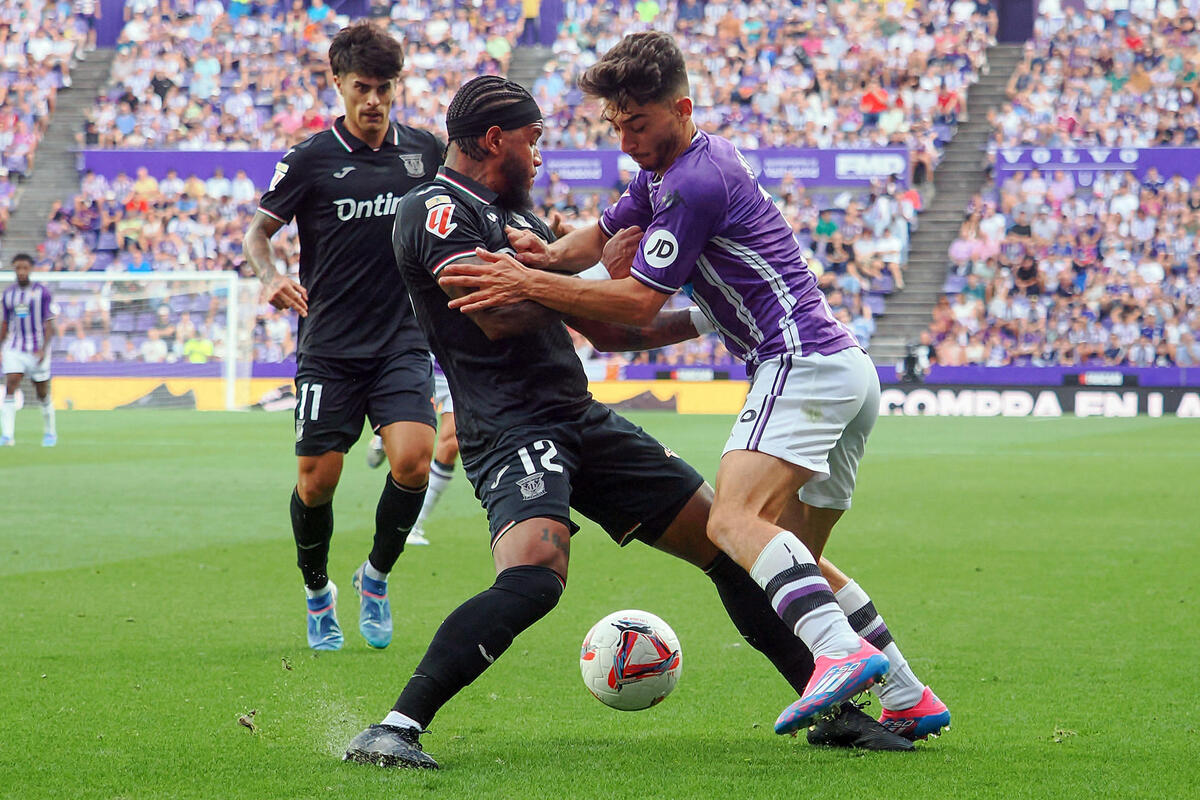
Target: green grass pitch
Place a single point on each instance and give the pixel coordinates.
(1040, 574)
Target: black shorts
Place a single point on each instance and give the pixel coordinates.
(600, 464)
(335, 395)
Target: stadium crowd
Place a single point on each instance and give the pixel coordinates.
(800, 74)
(1114, 74)
(254, 78)
(39, 43)
(1046, 271)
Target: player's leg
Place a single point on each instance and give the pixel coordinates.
(375, 453)
(8, 409)
(795, 413)
(684, 537)
(41, 386)
(441, 472)
(398, 405)
(330, 409)
(312, 529)
(530, 526)
(531, 565)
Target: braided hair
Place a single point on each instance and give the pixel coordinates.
(485, 93)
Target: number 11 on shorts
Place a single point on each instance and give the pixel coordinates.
(315, 409)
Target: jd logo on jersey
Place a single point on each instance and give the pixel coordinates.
(660, 249)
(438, 220)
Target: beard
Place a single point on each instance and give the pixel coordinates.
(516, 194)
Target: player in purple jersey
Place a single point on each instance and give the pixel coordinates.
(26, 329)
(789, 466)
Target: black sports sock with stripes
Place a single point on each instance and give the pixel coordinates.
(475, 635)
(312, 528)
(756, 620)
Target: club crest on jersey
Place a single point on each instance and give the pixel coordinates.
(532, 486)
(438, 221)
(414, 164)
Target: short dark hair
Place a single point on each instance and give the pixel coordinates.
(23, 257)
(485, 93)
(367, 50)
(642, 68)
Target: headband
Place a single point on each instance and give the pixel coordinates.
(516, 115)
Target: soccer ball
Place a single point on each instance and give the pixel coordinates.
(630, 660)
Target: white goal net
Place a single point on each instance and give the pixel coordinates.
(182, 339)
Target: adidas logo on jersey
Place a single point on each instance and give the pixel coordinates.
(384, 205)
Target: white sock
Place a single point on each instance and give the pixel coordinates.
(903, 689)
(373, 573)
(8, 417)
(439, 479)
(328, 587)
(48, 416)
(801, 596)
(396, 719)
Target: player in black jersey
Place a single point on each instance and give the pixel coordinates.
(534, 443)
(360, 352)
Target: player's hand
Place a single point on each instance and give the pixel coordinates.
(532, 249)
(619, 251)
(559, 226)
(39, 356)
(496, 282)
(285, 293)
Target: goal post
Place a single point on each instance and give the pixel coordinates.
(151, 338)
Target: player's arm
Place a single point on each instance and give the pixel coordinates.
(576, 251)
(508, 321)
(289, 188)
(667, 328)
(49, 331)
(500, 280)
(282, 291)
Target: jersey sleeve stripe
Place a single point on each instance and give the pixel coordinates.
(653, 284)
(604, 228)
(273, 215)
(444, 262)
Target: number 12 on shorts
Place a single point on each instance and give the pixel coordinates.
(546, 459)
(302, 403)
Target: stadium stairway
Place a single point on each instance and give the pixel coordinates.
(961, 173)
(526, 64)
(55, 176)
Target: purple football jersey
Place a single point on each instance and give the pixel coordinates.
(708, 222)
(26, 309)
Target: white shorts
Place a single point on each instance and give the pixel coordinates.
(442, 400)
(20, 361)
(816, 412)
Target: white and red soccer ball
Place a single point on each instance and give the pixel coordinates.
(630, 660)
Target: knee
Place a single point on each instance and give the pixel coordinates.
(540, 585)
(411, 469)
(315, 487)
(723, 525)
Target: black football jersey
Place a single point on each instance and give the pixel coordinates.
(531, 379)
(344, 196)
